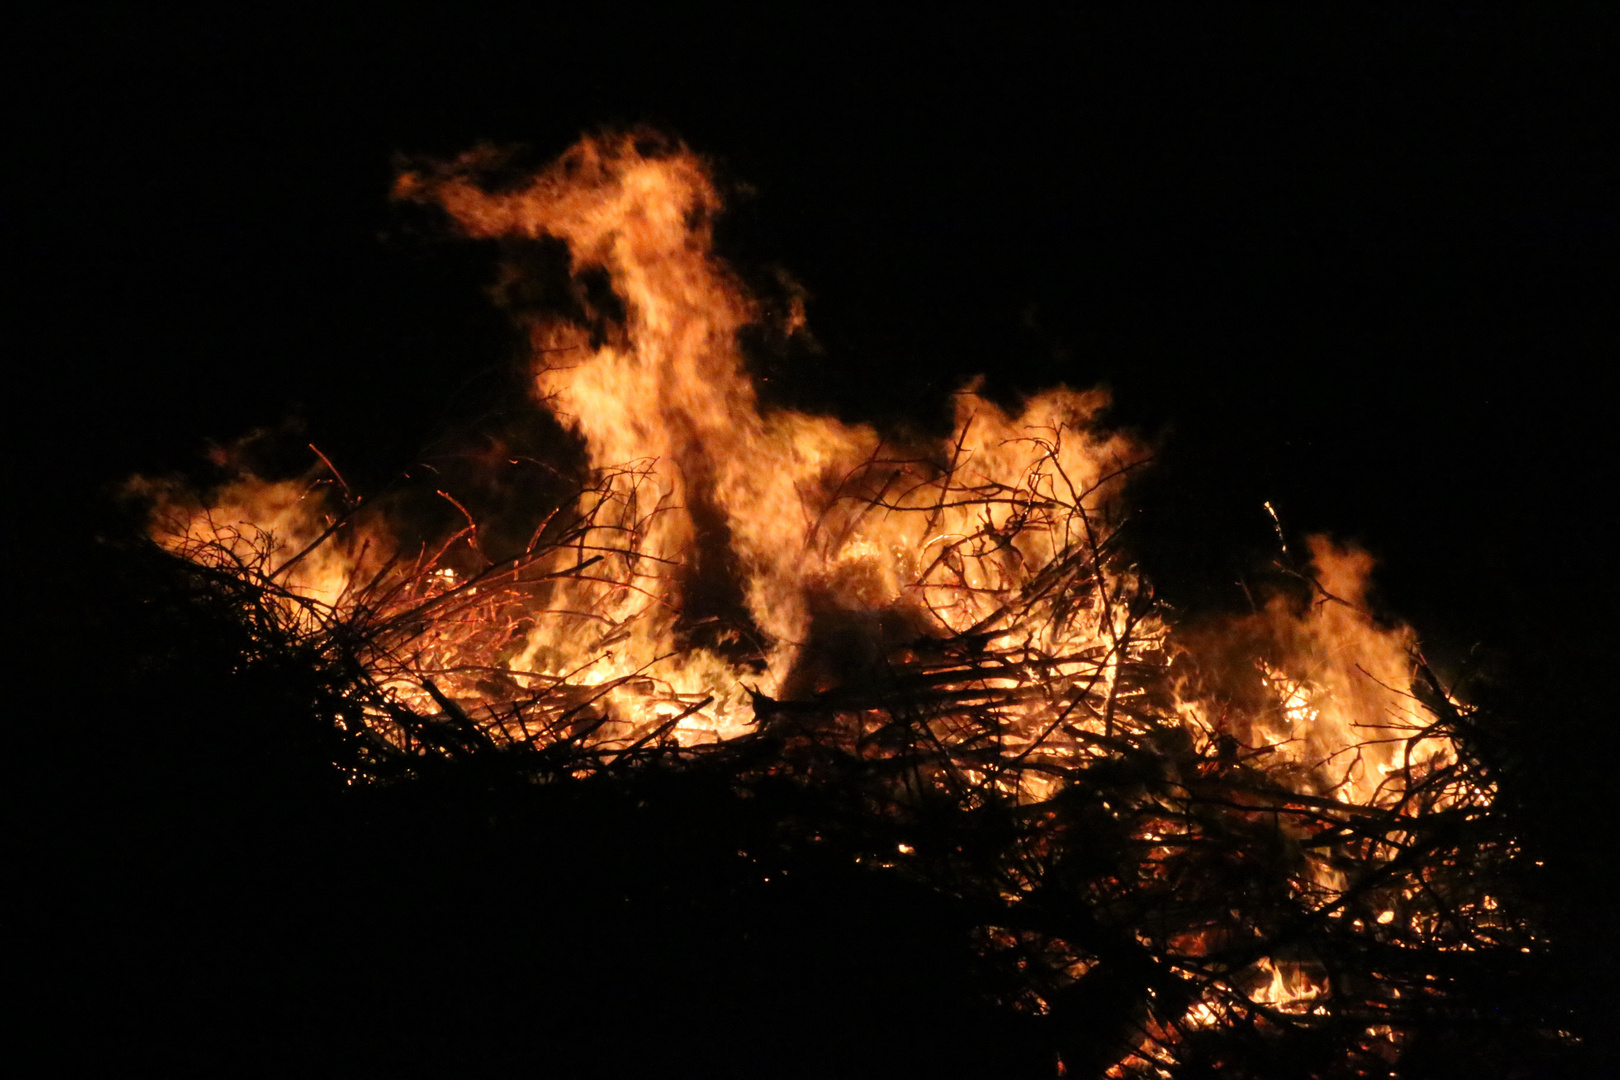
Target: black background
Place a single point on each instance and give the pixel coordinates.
(1358, 262)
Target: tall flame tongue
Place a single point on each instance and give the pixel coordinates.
(791, 496)
(968, 595)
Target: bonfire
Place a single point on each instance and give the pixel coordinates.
(1192, 846)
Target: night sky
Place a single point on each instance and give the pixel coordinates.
(1354, 264)
(1359, 263)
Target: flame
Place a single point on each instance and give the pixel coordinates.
(1288, 987)
(248, 518)
(842, 546)
(721, 561)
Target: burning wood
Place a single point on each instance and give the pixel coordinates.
(1190, 848)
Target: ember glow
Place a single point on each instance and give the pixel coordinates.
(1251, 795)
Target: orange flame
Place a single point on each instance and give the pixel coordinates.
(792, 495)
